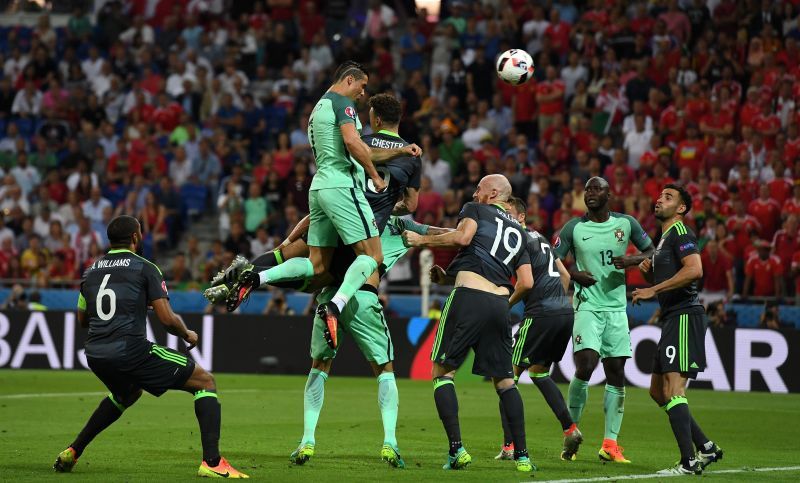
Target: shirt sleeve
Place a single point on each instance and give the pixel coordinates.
(523, 258)
(414, 180)
(156, 286)
(563, 243)
(344, 111)
(412, 225)
(685, 245)
(639, 237)
(470, 210)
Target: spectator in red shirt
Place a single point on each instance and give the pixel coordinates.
(763, 273)
(768, 124)
(558, 33)
(717, 122)
(430, 202)
(792, 205)
(673, 120)
(717, 273)
(767, 211)
(691, 151)
(550, 97)
(796, 275)
(785, 242)
(654, 184)
(780, 187)
(741, 226)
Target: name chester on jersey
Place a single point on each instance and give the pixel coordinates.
(384, 144)
(119, 262)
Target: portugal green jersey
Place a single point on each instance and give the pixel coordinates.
(335, 167)
(594, 245)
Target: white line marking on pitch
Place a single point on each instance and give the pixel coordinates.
(656, 475)
(93, 393)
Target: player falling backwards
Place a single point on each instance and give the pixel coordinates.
(544, 333)
(475, 315)
(114, 297)
(338, 209)
(598, 241)
(362, 317)
(675, 270)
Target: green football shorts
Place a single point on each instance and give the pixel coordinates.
(363, 319)
(339, 213)
(393, 248)
(606, 333)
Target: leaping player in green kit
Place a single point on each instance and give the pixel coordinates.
(598, 241)
(337, 205)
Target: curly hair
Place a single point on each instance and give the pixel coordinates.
(386, 107)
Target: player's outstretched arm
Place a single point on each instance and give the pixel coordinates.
(173, 322)
(381, 155)
(523, 285)
(458, 238)
(626, 261)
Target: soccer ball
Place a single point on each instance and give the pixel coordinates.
(515, 66)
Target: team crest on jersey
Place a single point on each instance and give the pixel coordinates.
(351, 113)
(620, 235)
(578, 339)
(557, 243)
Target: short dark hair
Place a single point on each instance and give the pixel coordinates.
(518, 204)
(347, 68)
(121, 229)
(387, 107)
(686, 198)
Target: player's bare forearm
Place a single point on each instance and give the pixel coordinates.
(435, 230)
(363, 156)
(453, 239)
(82, 319)
(298, 231)
(518, 294)
(172, 322)
(380, 156)
(648, 276)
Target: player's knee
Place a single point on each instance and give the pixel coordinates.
(378, 257)
(584, 369)
(130, 399)
(207, 382)
(657, 395)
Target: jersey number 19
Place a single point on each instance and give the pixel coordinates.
(506, 236)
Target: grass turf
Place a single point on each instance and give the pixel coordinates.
(158, 439)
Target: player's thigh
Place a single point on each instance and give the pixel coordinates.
(351, 215)
(393, 249)
(459, 328)
(200, 380)
(120, 385)
(616, 336)
(296, 249)
(587, 331)
(163, 369)
(522, 343)
(682, 345)
(370, 247)
(319, 348)
(367, 326)
(493, 350)
(321, 231)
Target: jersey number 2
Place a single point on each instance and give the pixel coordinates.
(112, 300)
(550, 268)
(506, 236)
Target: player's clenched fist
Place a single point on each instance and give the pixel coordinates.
(646, 266)
(191, 339)
(379, 183)
(438, 275)
(411, 239)
(413, 150)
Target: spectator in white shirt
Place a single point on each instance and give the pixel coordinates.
(572, 73)
(437, 169)
(144, 31)
(629, 124)
(101, 82)
(94, 206)
(26, 176)
(474, 134)
(308, 69)
(92, 66)
(262, 243)
(180, 168)
(15, 63)
(637, 142)
(320, 51)
(28, 101)
(12, 199)
(41, 224)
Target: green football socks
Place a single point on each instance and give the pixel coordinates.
(578, 394)
(614, 408)
(389, 402)
(292, 269)
(358, 273)
(313, 397)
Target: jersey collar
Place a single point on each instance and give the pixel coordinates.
(119, 250)
(389, 133)
(670, 227)
(500, 206)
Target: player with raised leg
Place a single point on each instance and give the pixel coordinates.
(675, 270)
(475, 315)
(338, 208)
(598, 241)
(543, 335)
(115, 293)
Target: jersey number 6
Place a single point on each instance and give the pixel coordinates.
(112, 300)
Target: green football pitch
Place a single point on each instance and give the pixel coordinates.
(157, 439)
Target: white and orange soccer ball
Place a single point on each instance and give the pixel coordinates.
(515, 66)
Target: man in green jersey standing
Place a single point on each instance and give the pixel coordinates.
(598, 241)
(338, 208)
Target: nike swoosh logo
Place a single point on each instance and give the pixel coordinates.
(224, 475)
(587, 237)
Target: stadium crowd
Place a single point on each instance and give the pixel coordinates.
(169, 110)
